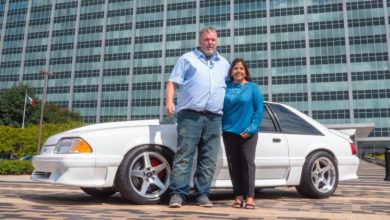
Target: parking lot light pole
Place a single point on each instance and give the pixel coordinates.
(46, 75)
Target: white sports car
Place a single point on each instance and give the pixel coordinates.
(134, 157)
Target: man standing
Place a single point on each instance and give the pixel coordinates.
(199, 77)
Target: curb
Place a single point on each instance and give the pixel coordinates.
(15, 178)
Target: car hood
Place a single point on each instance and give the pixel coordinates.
(52, 140)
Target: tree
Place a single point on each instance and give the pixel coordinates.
(18, 142)
(54, 114)
(12, 104)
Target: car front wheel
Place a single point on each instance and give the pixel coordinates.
(144, 174)
(319, 176)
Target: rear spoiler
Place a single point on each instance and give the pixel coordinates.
(346, 133)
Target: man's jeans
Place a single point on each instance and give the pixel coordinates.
(200, 131)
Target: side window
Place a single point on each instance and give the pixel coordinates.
(291, 123)
(267, 125)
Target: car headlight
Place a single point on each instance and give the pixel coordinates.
(72, 146)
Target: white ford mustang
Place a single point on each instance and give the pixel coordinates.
(134, 157)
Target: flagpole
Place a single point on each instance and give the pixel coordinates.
(24, 109)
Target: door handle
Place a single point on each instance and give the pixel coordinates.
(276, 140)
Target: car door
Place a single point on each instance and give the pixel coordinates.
(272, 158)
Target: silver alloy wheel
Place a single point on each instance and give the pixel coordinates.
(149, 174)
(323, 174)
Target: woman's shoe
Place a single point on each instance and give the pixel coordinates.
(250, 206)
(237, 205)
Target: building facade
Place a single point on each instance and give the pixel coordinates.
(111, 58)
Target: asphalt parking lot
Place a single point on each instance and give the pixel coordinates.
(365, 198)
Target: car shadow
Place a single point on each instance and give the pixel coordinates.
(220, 197)
(73, 199)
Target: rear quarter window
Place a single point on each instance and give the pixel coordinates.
(267, 124)
(292, 123)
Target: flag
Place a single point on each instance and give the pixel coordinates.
(32, 101)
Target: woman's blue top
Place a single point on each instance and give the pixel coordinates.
(243, 108)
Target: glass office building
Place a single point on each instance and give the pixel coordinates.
(111, 58)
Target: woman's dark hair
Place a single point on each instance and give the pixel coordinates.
(235, 61)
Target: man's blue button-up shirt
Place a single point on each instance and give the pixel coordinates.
(201, 83)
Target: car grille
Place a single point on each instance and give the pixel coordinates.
(43, 175)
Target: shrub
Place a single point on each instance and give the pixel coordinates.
(19, 142)
(15, 167)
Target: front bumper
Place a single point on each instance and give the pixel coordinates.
(82, 170)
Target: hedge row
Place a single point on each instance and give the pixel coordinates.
(19, 142)
(15, 167)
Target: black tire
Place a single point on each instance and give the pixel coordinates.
(99, 192)
(258, 190)
(319, 176)
(144, 175)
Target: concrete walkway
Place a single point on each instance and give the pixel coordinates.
(365, 198)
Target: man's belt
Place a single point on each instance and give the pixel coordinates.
(204, 112)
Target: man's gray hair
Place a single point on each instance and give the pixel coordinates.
(207, 29)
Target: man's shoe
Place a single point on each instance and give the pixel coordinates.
(204, 201)
(176, 201)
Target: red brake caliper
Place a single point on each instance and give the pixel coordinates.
(155, 163)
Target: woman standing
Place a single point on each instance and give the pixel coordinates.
(242, 114)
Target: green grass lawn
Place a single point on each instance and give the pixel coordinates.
(376, 156)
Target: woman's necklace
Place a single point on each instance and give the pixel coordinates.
(235, 91)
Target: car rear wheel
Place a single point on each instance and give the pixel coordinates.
(319, 176)
(144, 175)
(99, 192)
